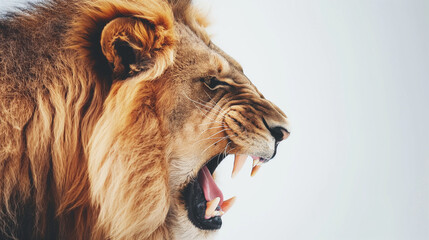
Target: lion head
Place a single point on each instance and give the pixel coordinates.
(157, 108)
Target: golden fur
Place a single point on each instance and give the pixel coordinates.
(97, 110)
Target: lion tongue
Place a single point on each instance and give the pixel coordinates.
(210, 189)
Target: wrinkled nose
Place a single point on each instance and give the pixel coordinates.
(279, 133)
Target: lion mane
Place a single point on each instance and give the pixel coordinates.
(50, 102)
(83, 149)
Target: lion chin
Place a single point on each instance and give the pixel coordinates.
(114, 115)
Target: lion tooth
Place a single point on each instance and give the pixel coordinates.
(255, 169)
(211, 207)
(227, 204)
(256, 165)
(238, 163)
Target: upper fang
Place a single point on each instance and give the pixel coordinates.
(238, 164)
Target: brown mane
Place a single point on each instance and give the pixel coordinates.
(50, 103)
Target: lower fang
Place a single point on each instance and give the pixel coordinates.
(227, 204)
(211, 207)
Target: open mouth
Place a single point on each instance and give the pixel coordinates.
(203, 198)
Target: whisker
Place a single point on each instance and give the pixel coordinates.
(199, 108)
(224, 151)
(210, 137)
(221, 111)
(212, 128)
(231, 150)
(226, 137)
(190, 99)
(213, 105)
(213, 123)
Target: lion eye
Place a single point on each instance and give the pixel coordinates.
(212, 82)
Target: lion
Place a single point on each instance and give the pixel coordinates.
(114, 115)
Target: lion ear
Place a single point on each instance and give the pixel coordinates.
(131, 45)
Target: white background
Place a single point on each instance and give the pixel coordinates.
(353, 77)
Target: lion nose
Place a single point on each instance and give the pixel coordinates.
(279, 130)
(279, 133)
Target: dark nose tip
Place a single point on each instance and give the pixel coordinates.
(279, 133)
